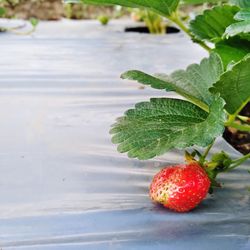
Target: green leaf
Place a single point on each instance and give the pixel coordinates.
(198, 1)
(163, 7)
(241, 3)
(242, 15)
(212, 24)
(155, 127)
(234, 86)
(232, 50)
(239, 28)
(146, 79)
(192, 83)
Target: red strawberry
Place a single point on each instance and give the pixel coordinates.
(180, 188)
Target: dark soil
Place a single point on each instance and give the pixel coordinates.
(144, 29)
(239, 140)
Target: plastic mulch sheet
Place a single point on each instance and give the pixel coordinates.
(62, 183)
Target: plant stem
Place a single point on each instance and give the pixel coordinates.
(231, 120)
(175, 18)
(208, 149)
(244, 118)
(238, 162)
(238, 126)
(149, 23)
(204, 156)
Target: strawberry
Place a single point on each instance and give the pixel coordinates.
(181, 187)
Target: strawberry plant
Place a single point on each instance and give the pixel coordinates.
(214, 93)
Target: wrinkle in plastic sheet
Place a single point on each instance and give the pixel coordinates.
(62, 183)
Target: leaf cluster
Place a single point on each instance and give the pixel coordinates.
(227, 27)
(152, 128)
(214, 91)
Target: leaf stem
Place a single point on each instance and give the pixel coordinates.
(149, 22)
(244, 118)
(204, 156)
(175, 18)
(232, 117)
(238, 126)
(238, 162)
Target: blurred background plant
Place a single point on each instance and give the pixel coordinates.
(7, 10)
(104, 20)
(154, 22)
(83, 11)
(40, 9)
(56, 9)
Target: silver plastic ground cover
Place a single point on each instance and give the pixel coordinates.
(62, 183)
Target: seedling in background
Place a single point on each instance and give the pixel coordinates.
(104, 20)
(215, 91)
(154, 22)
(34, 23)
(68, 10)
